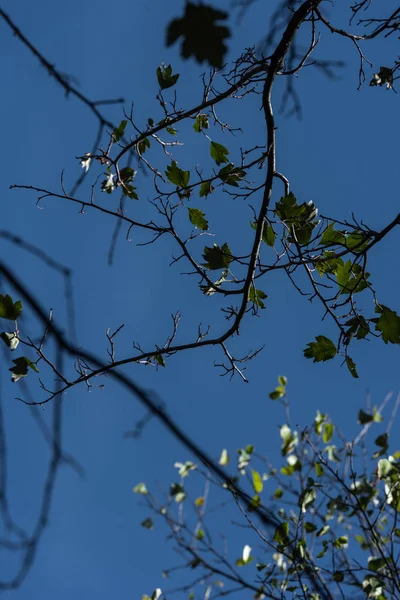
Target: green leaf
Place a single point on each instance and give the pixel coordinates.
(269, 235)
(278, 392)
(159, 360)
(309, 527)
(289, 440)
(351, 278)
(177, 491)
(357, 241)
(171, 130)
(20, 370)
(216, 257)
(148, 523)
(202, 37)
(246, 557)
(165, 77)
(177, 176)
(200, 534)
(126, 174)
(197, 219)
(257, 297)
(328, 263)
(382, 441)
(281, 533)
(307, 498)
(323, 530)
(10, 339)
(357, 326)
(120, 130)
(331, 452)
(140, 488)
(8, 309)
(375, 564)
(224, 458)
(321, 350)
(201, 123)
(231, 175)
(278, 494)
(319, 470)
(328, 432)
(205, 189)
(351, 365)
(338, 576)
(384, 468)
(331, 236)
(219, 153)
(143, 145)
(299, 218)
(257, 482)
(130, 191)
(341, 542)
(388, 324)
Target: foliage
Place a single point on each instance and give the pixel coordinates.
(305, 516)
(330, 524)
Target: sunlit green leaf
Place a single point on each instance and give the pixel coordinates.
(224, 458)
(177, 176)
(257, 482)
(201, 122)
(140, 488)
(281, 533)
(307, 498)
(120, 130)
(257, 297)
(205, 189)
(219, 153)
(328, 432)
(196, 217)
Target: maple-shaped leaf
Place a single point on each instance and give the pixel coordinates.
(202, 37)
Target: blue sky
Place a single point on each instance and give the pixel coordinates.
(342, 155)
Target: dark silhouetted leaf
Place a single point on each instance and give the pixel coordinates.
(22, 364)
(165, 77)
(216, 257)
(321, 350)
(202, 37)
(9, 309)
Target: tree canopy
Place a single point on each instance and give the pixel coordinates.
(198, 179)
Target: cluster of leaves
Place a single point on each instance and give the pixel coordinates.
(291, 230)
(336, 515)
(10, 311)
